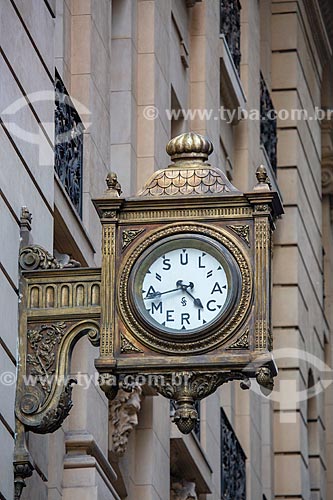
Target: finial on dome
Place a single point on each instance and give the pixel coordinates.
(189, 145)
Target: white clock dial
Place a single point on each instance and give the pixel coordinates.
(185, 289)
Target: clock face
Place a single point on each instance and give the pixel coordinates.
(184, 285)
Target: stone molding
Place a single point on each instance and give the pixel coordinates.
(188, 460)
(231, 86)
(82, 451)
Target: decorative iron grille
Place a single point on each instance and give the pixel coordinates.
(68, 144)
(268, 135)
(230, 28)
(233, 476)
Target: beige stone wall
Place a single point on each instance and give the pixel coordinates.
(298, 314)
(26, 178)
(117, 57)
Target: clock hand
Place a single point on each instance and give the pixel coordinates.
(197, 302)
(179, 285)
(158, 294)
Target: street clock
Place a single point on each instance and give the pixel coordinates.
(186, 279)
(182, 301)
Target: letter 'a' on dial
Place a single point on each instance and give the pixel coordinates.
(184, 285)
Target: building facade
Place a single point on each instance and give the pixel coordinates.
(135, 73)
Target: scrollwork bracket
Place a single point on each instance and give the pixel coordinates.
(46, 342)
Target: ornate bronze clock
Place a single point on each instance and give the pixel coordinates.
(186, 279)
(181, 302)
(184, 291)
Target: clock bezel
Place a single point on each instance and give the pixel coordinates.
(154, 252)
(214, 337)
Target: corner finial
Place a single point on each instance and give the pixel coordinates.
(189, 146)
(114, 187)
(25, 226)
(264, 183)
(26, 216)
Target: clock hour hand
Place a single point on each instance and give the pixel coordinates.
(197, 302)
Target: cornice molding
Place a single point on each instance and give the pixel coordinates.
(191, 3)
(82, 451)
(321, 20)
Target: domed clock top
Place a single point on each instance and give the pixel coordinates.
(189, 145)
(189, 174)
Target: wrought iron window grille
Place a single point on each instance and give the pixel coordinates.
(230, 28)
(233, 471)
(68, 161)
(268, 128)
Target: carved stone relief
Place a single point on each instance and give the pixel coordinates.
(183, 490)
(123, 417)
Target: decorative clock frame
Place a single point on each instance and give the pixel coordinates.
(60, 305)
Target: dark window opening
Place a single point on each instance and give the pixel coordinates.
(68, 144)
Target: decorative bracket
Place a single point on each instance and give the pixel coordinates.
(58, 306)
(44, 395)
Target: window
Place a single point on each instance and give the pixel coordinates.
(230, 28)
(268, 135)
(68, 145)
(233, 476)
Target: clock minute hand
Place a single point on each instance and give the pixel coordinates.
(158, 294)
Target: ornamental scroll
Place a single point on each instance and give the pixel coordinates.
(60, 304)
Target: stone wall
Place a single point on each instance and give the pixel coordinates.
(116, 58)
(26, 179)
(298, 314)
